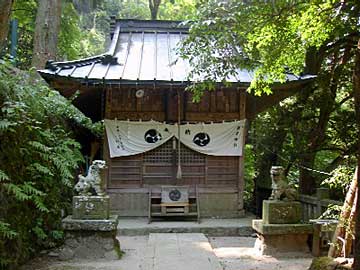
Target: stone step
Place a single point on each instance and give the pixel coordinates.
(209, 227)
(172, 251)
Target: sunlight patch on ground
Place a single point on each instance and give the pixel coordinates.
(234, 252)
(204, 245)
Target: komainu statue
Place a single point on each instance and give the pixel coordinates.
(280, 188)
(92, 180)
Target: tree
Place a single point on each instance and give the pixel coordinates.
(273, 38)
(47, 27)
(5, 11)
(154, 8)
(356, 86)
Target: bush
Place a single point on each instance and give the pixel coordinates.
(38, 158)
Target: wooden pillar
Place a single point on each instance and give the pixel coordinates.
(241, 181)
(106, 153)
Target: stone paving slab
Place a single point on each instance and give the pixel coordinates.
(176, 251)
(233, 253)
(210, 227)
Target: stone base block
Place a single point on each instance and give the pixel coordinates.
(91, 207)
(282, 239)
(282, 245)
(136, 204)
(279, 229)
(90, 239)
(281, 212)
(104, 225)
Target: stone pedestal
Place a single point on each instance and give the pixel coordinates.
(280, 232)
(281, 239)
(91, 207)
(281, 212)
(90, 239)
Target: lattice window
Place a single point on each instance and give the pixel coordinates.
(161, 154)
(165, 154)
(189, 156)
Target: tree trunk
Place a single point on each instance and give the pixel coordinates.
(345, 213)
(47, 28)
(349, 235)
(307, 182)
(154, 8)
(5, 11)
(356, 93)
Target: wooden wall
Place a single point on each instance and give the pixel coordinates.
(161, 104)
(159, 166)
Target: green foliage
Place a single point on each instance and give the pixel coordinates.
(270, 38)
(25, 12)
(332, 212)
(315, 129)
(38, 159)
(130, 9)
(249, 175)
(177, 10)
(70, 36)
(340, 179)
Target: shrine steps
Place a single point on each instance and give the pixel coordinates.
(209, 227)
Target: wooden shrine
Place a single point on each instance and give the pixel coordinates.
(140, 77)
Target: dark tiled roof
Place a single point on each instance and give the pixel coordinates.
(140, 51)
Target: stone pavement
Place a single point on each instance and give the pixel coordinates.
(180, 251)
(208, 226)
(232, 253)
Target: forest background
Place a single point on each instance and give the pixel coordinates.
(312, 134)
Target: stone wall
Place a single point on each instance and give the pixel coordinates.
(217, 205)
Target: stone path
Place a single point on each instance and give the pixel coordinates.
(180, 251)
(142, 253)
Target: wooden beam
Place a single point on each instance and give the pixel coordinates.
(108, 97)
(241, 182)
(106, 157)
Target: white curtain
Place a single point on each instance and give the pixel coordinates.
(127, 138)
(215, 139)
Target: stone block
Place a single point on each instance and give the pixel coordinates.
(219, 205)
(71, 224)
(282, 245)
(277, 229)
(91, 207)
(281, 239)
(281, 212)
(134, 204)
(90, 239)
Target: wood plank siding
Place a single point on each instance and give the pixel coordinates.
(159, 166)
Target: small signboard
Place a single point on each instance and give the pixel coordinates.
(174, 194)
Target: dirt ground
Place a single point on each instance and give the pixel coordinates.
(234, 253)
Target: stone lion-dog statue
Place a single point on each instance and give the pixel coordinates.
(92, 180)
(280, 188)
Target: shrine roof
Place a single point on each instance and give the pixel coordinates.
(140, 52)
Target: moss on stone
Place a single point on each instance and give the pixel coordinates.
(117, 249)
(322, 263)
